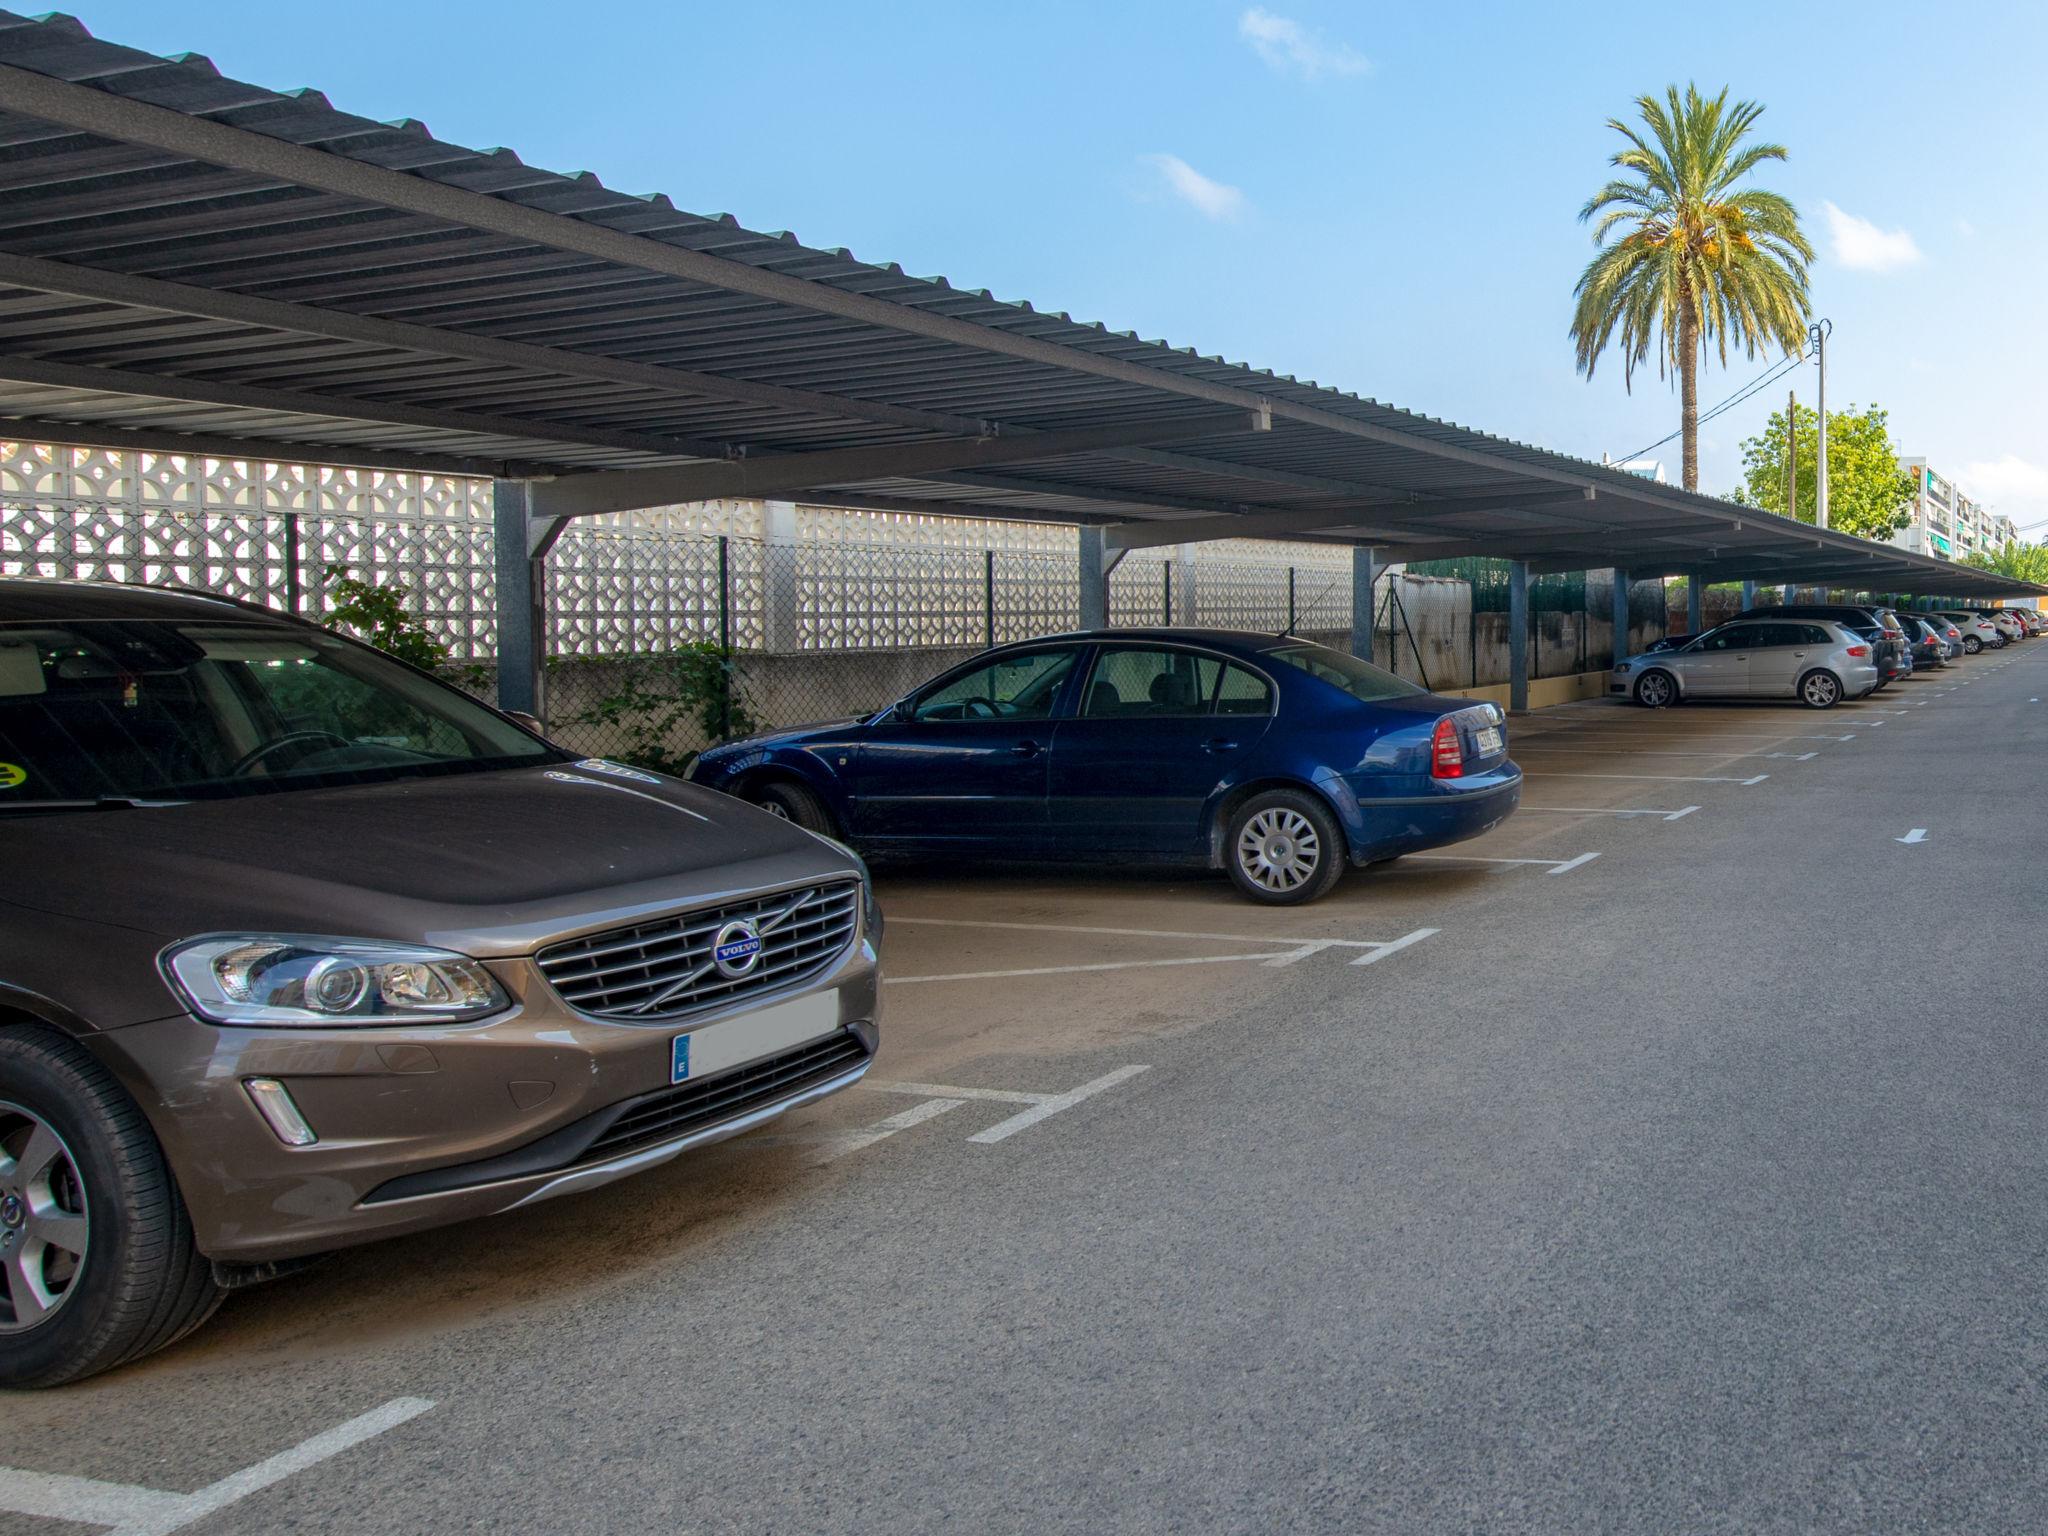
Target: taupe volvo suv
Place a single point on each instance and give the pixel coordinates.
(301, 947)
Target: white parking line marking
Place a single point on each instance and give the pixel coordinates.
(1401, 943)
(1673, 732)
(1661, 778)
(1075, 970)
(1917, 835)
(1609, 810)
(1025, 1119)
(133, 1511)
(1526, 746)
(1041, 1105)
(848, 1142)
(1137, 933)
(1557, 867)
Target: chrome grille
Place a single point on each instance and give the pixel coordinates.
(653, 972)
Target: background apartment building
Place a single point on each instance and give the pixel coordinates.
(1947, 524)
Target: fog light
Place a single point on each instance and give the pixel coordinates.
(275, 1104)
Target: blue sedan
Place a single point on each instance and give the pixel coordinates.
(1276, 759)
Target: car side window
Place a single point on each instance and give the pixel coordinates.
(1149, 684)
(1813, 634)
(1023, 686)
(1739, 637)
(1244, 693)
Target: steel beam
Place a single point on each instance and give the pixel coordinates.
(521, 609)
(1622, 648)
(57, 277)
(1092, 580)
(1363, 573)
(219, 446)
(1381, 517)
(1518, 637)
(779, 474)
(264, 397)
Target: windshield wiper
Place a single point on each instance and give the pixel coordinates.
(100, 803)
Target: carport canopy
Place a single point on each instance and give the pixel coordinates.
(192, 264)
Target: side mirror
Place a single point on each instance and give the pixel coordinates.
(531, 722)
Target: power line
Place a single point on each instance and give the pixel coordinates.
(1776, 371)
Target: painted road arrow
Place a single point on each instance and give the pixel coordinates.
(1917, 835)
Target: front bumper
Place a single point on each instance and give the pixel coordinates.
(419, 1127)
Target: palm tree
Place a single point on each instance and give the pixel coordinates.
(1700, 260)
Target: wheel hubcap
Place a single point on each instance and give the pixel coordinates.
(1278, 850)
(775, 808)
(44, 1223)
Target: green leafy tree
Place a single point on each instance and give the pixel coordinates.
(1868, 493)
(2022, 562)
(376, 614)
(1690, 258)
(694, 689)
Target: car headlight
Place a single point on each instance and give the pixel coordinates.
(870, 909)
(1620, 667)
(292, 978)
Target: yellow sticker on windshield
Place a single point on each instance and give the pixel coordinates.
(12, 775)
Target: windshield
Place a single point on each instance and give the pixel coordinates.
(1360, 679)
(160, 710)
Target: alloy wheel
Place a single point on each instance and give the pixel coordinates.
(1279, 850)
(1821, 690)
(1654, 690)
(45, 1225)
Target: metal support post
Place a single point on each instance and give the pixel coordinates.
(522, 619)
(1621, 645)
(294, 597)
(1518, 636)
(1093, 581)
(1748, 596)
(1291, 616)
(782, 608)
(1363, 570)
(988, 593)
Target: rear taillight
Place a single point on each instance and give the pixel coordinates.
(1859, 650)
(1446, 752)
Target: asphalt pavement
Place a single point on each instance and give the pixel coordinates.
(1695, 1186)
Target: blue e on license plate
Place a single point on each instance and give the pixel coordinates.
(1488, 737)
(766, 1031)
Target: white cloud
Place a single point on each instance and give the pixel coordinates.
(1211, 199)
(1288, 46)
(2009, 478)
(1861, 244)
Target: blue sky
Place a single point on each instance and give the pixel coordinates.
(1377, 197)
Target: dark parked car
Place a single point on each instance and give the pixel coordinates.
(1276, 759)
(1928, 645)
(1875, 624)
(301, 947)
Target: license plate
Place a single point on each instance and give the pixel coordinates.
(733, 1042)
(1488, 737)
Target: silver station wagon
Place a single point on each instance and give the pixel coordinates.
(1816, 661)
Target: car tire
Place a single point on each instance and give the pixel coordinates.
(1820, 690)
(1284, 848)
(140, 1282)
(793, 802)
(1656, 689)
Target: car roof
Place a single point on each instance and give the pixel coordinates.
(1244, 642)
(29, 599)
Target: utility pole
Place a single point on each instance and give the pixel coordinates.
(1818, 335)
(1791, 453)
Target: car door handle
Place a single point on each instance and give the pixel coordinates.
(1219, 744)
(1027, 749)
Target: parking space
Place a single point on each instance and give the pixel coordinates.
(1454, 1057)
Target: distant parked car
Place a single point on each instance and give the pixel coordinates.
(1929, 648)
(2014, 626)
(1978, 632)
(1280, 761)
(1951, 636)
(1817, 661)
(1871, 622)
(1669, 643)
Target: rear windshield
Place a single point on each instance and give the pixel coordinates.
(1360, 679)
(160, 710)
